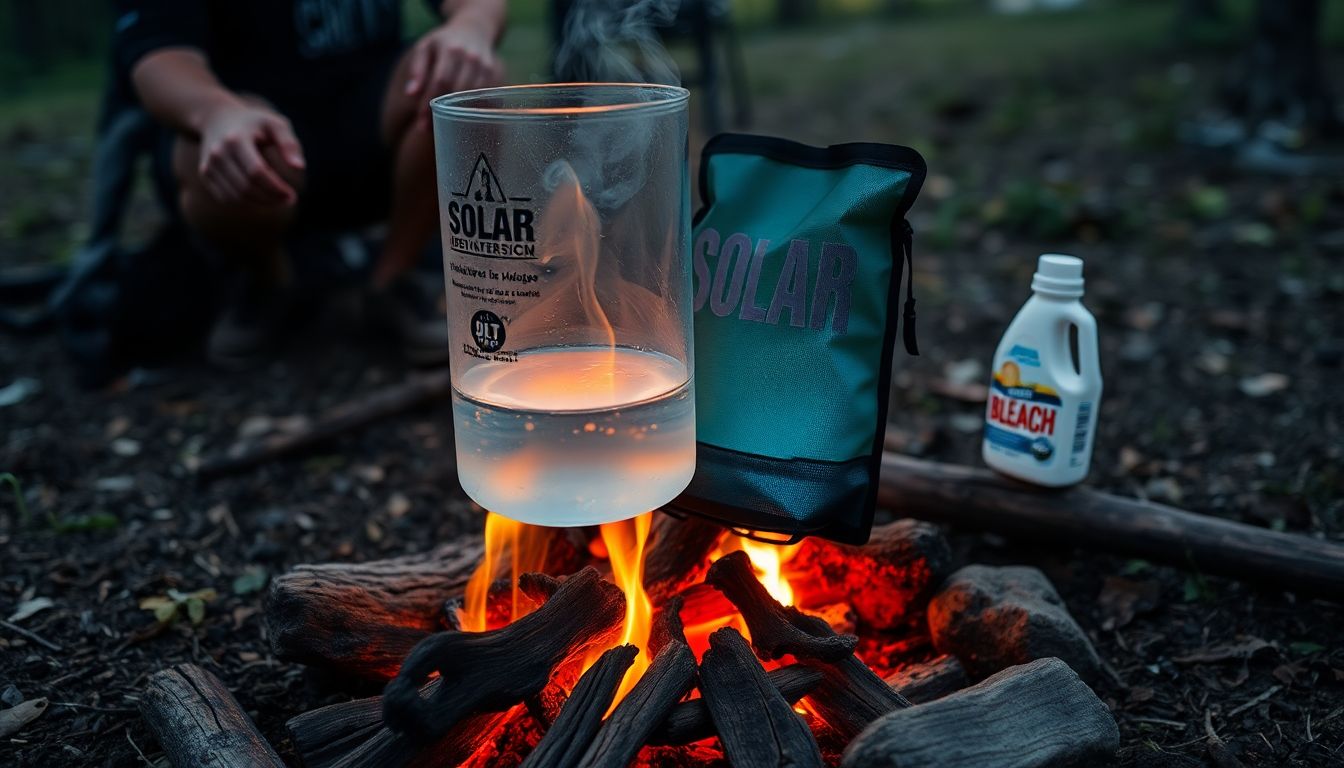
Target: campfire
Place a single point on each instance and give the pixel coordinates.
(653, 641)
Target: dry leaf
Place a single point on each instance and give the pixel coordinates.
(14, 718)
(1122, 599)
(30, 607)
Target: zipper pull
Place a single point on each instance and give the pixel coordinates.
(908, 316)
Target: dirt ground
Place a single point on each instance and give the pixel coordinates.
(1219, 295)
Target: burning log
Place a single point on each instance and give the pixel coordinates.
(416, 391)
(490, 671)
(198, 721)
(932, 680)
(850, 695)
(776, 630)
(1039, 715)
(667, 679)
(690, 721)
(479, 672)
(893, 574)
(755, 724)
(571, 733)
(363, 618)
(1082, 517)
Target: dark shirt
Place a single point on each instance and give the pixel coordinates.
(275, 48)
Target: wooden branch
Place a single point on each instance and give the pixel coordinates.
(690, 721)
(756, 726)
(678, 554)
(1082, 517)
(572, 732)
(667, 679)
(490, 671)
(362, 619)
(1038, 715)
(667, 625)
(776, 630)
(198, 722)
(419, 389)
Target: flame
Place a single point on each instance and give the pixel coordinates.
(526, 548)
(768, 561)
(624, 542)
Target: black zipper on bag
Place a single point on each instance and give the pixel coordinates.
(908, 316)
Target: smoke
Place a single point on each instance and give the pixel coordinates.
(616, 41)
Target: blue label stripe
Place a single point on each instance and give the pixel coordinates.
(1009, 440)
(1025, 393)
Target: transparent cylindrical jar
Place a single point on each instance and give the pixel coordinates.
(565, 212)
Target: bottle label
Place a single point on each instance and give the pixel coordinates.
(1021, 415)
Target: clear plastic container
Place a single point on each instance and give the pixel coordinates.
(565, 212)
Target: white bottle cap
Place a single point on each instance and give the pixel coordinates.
(1058, 275)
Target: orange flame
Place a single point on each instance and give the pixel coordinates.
(768, 561)
(525, 547)
(624, 542)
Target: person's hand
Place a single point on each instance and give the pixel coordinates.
(451, 57)
(233, 167)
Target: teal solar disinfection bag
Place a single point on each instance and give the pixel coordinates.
(798, 255)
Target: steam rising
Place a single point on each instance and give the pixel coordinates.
(615, 41)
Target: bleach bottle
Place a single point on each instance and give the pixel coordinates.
(1043, 398)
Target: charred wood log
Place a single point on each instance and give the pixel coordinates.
(343, 734)
(490, 671)
(568, 737)
(690, 721)
(363, 618)
(482, 674)
(850, 694)
(756, 726)
(1082, 517)
(1038, 715)
(198, 722)
(930, 680)
(643, 709)
(667, 625)
(776, 630)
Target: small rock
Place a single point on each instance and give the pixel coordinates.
(12, 696)
(1164, 489)
(117, 484)
(125, 446)
(991, 618)
(398, 505)
(255, 426)
(18, 390)
(1264, 384)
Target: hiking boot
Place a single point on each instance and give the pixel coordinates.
(249, 327)
(413, 311)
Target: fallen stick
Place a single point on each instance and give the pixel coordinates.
(198, 722)
(1081, 516)
(569, 736)
(756, 726)
(666, 680)
(419, 389)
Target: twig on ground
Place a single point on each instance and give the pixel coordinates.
(36, 638)
(1273, 689)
